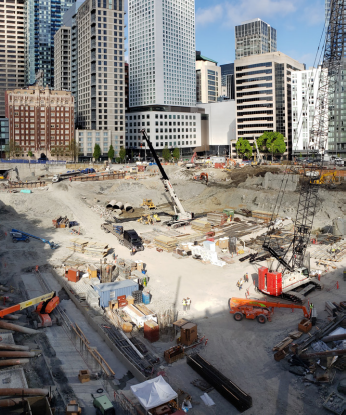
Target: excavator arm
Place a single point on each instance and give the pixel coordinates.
(26, 304)
(239, 302)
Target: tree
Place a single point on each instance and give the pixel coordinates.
(271, 142)
(176, 153)
(73, 149)
(13, 149)
(97, 152)
(275, 143)
(122, 154)
(166, 154)
(30, 153)
(244, 147)
(111, 152)
(59, 151)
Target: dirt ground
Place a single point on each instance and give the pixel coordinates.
(241, 350)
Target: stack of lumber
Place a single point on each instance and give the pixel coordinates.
(266, 216)
(93, 249)
(217, 218)
(167, 243)
(201, 225)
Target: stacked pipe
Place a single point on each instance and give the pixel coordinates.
(223, 385)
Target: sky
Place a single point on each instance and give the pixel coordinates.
(299, 25)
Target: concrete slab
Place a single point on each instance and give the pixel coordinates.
(13, 378)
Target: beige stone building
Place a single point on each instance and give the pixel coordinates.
(263, 96)
(40, 121)
(208, 79)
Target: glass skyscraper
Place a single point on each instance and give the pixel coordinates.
(42, 19)
(254, 37)
(227, 78)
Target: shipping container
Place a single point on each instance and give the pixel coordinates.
(112, 290)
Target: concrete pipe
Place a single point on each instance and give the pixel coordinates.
(15, 327)
(23, 391)
(128, 207)
(119, 205)
(7, 346)
(12, 362)
(111, 204)
(16, 354)
(11, 402)
(118, 211)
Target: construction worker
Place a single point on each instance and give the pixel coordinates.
(333, 252)
(188, 303)
(246, 277)
(184, 304)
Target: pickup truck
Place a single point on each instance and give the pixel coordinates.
(128, 238)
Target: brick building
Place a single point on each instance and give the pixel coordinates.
(41, 121)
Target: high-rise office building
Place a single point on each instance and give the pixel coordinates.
(208, 79)
(11, 48)
(227, 79)
(4, 137)
(162, 52)
(263, 96)
(42, 19)
(254, 37)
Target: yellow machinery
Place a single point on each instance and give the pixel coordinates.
(149, 220)
(148, 204)
(156, 218)
(322, 179)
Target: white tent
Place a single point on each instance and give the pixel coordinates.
(154, 392)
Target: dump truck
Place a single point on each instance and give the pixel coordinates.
(128, 238)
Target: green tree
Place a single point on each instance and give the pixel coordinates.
(176, 153)
(166, 154)
(13, 149)
(111, 152)
(244, 147)
(97, 152)
(30, 153)
(271, 142)
(122, 154)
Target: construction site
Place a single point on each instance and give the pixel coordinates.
(208, 287)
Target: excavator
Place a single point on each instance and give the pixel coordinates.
(323, 179)
(46, 304)
(203, 177)
(258, 309)
(191, 163)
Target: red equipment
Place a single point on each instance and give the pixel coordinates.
(261, 310)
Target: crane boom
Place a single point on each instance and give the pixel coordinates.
(293, 257)
(26, 304)
(182, 214)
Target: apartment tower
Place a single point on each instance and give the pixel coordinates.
(11, 48)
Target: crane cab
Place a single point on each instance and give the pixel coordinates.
(269, 282)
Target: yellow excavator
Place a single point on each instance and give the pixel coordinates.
(329, 177)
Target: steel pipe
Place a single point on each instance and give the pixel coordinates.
(11, 317)
(334, 338)
(7, 346)
(16, 353)
(12, 362)
(15, 327)
(119, 205)
(23, 392)
(338, 352)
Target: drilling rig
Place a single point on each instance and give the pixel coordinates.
(292, 273)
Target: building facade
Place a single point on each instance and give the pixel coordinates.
(4, 137)
(263, 96)
(171, 127)
(62, 59)
(162, 52)
(227, 80)
(208, 79)
(221, 126)
(304, 95)
(254, 37)
(42, 19)
(11, 48)
(88, 138)
(40, 121)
